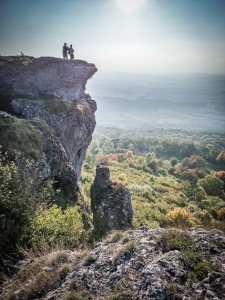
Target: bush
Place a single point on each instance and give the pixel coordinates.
(18, 201)
(200, 271)
(179, 218)
(57, 227)
(221, 176)
(204, 217)
(212, 185)
(175, 240)
(191, 258)
(221, 157)
(221, 214)
(153, 165)
(102, 158)
(173, 161)
(189, 175)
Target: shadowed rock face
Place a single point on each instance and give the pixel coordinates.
(52, 90)
(110, 203)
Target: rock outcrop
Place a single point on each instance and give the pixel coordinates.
(157, 264)
(110, 203)
(52, 92)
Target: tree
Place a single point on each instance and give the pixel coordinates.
(153, 165)
(210, 151)
(149, 157)
(102, 158)
(173, 161)
(197, 162)
(212, 185)
(113, 158)
(94, 147)
(221, 157)
(129, 155)
(221, 176)
(140, 160)
(189, 175)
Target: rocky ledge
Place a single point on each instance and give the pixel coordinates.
(51, 92)
(134, 264)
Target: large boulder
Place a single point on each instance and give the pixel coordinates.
(110, 203)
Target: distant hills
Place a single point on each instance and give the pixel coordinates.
(159, 100)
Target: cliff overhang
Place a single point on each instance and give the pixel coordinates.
(47, 95)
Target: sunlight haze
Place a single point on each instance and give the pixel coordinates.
(129, 6)
(141, 36)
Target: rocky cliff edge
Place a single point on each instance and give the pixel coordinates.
(135, 264)
(47, 95)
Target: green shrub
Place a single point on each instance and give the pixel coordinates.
(201, 271)
(18, 201)
(57, 226)
(175, 240)
(212, 185)
(173, 161)
(192, 258)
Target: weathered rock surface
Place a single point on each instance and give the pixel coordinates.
(45, 76)
(110, 203)
(52, 90)
(135, 264)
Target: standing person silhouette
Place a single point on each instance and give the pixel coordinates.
(65, 51)
(71, 50)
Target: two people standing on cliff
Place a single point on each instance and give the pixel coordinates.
(67, 49)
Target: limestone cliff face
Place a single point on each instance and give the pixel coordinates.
(52, 90)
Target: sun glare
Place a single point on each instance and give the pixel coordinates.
(129, 6)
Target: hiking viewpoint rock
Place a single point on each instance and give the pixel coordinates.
(49, 94)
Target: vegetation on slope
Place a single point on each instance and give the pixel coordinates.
(175, 178)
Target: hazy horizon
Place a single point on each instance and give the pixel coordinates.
(185, 101)
(138, 36)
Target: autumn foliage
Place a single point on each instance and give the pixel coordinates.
(179, 218)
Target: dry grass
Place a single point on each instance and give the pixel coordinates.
(124, 252)
(42, 271)
(114, 236)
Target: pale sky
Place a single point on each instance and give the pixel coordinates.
(141, 36)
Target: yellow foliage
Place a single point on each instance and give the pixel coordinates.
(221, 214)
(180, 218)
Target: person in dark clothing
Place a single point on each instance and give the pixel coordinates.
(71, 52)
(65, 51)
